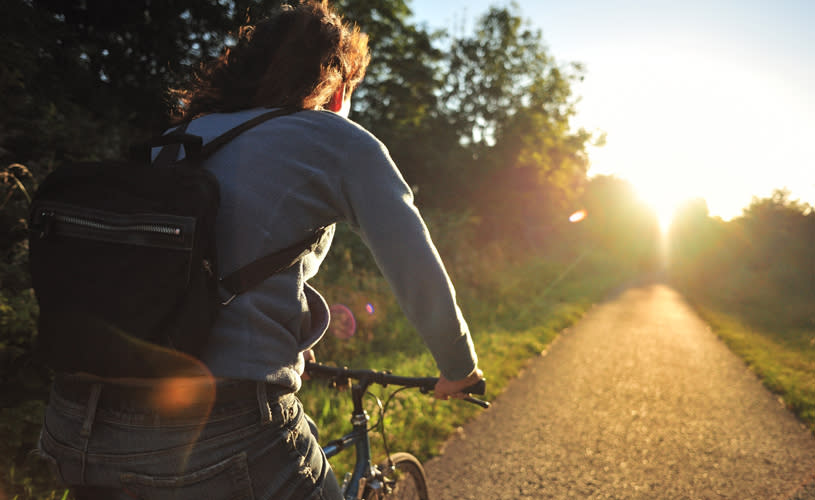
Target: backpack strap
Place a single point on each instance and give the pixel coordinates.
(171, 142)
(217, 143)
(257, 271)
(169, 152)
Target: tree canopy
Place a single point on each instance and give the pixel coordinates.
(479, 123)
(752, 260)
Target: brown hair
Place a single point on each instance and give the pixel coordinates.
(297, 58)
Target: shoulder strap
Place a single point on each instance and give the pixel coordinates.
(215, 144)
(257, 271)
(172, 141)
(169, 153)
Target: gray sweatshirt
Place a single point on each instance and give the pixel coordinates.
(279, 182)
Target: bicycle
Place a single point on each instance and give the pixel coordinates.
(402, 475)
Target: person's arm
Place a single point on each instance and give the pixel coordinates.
(381, 209)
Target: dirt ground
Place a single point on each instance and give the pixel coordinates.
(638, 400)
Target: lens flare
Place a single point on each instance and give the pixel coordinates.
(176, 394)
(343, 324)
(578, 216)
(369, 308)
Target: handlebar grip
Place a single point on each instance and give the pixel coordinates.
(482, 404)
(479, 387)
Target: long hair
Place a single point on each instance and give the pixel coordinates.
(297, 58)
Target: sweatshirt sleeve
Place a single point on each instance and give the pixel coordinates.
(381, 210)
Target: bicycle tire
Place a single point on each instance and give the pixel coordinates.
(407, 480)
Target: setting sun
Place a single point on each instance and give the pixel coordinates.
(664, 212)
(662, 196)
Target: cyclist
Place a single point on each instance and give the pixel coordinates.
(241, 432)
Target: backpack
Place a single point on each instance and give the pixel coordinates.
(123, 260)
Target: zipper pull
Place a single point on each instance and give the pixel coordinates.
(208, 267)
(46, 222)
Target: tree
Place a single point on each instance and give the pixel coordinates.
(398, 99)
(398, 90)
(689, 235)
(779, 233)
(759, 265)
(619, 224)
(510, 104)
(84, 79)
(777, 217)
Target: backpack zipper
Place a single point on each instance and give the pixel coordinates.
(146, 229)
(49, 216)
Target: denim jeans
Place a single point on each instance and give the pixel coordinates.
(259, 448)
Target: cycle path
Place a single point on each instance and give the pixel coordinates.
(638, 400)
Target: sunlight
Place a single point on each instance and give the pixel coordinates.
(663, 190)
(683, 130)
(664, 210)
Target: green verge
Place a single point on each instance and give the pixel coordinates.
(508, 331)
(783, 358)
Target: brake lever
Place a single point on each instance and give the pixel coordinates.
(479, 387)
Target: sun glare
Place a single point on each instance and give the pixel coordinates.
(662, 197)
(682, 131)
(665, 214)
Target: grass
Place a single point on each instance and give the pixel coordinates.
(783, 357)
(24, 476)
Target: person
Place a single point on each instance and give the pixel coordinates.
(241, 432)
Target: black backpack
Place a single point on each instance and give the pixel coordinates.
(123, 260)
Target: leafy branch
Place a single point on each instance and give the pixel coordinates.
(8, 178)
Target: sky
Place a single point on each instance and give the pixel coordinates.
(711, 99)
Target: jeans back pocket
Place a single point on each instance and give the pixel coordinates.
(228, 479)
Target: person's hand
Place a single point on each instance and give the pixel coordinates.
(446, 389)
(308, 357)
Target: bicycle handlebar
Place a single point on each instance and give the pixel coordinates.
(341, 376)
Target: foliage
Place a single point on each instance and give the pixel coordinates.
(24, 474)
(20, 378)
(760, 264)
(510, 104)
(619, 223)
(398, 90)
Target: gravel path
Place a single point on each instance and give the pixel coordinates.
(639, 400)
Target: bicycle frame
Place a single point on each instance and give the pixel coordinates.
(367, 474)
(363, 468)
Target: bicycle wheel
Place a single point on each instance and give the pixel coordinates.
(406, 481)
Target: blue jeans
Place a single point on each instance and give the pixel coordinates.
(187, 444)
